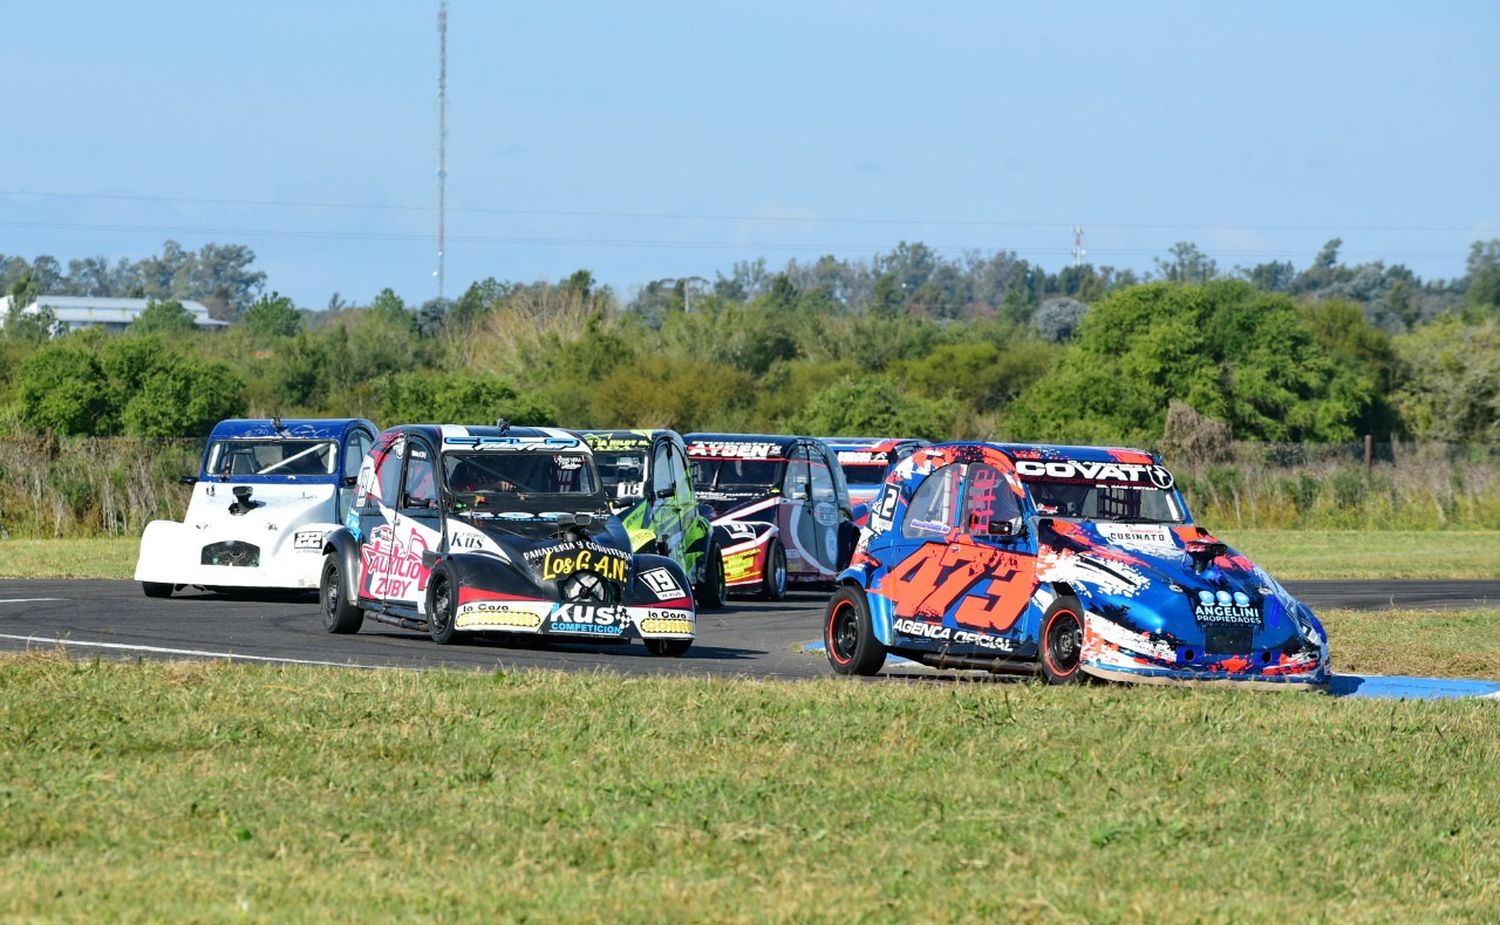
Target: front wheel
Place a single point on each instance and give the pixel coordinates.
(442, 608)
(849, 636)
(711, 592)
(671, 648)
(1062, 642)
(156, 588)
(773, 579)
(340, 615)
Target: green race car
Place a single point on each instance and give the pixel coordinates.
(650, 485)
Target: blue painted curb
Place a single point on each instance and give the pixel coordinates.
(1369, 686)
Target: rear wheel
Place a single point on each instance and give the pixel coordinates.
(156, 589)
(1062, 642)
(710, 593)
(442, 600)
(671, 648)
(773, 579)
(849, 636)
(340, 615)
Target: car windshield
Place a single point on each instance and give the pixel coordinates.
(1109, 502)
(271, 457)
(737, 474)
(863, 474)
(623, 473)
(520, 474)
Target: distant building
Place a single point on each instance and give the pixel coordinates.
(75, 311)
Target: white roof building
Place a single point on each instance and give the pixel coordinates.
(73, 312)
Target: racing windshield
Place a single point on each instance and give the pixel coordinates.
(526, 476)
(740, 476)
(863, 475)
(622, 473)
(229, 458)
(1120, 492)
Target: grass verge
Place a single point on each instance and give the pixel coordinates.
(134, 791)
(1288, 554)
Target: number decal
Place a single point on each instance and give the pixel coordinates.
(935, 577)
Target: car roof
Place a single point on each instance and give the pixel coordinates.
(467, 436)
(741, 446)
(295, 428)
(621, 439)
(1082, 453)
(869, 443)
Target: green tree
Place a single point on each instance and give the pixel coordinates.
(1448, 385)
(1231, 352)
(168, 318)
(876, 405)
(64, 388)
(1483, 276)
(272, 316)
(182, 397)
(455, 398)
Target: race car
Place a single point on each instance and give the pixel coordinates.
(1082, 561)
(650, 487)
(781, 509)
(866, 461)
(266, 493)
(461, 530)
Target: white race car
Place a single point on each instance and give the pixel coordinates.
(265, 496)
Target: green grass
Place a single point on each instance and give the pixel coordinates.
(205, 792)
(1288, 554)
(1425, 643)
(98, 557)
(1331, 554)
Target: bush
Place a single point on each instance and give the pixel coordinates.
(449, 398)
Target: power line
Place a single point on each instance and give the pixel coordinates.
(442, 145)
(737, 246)
(769, 219)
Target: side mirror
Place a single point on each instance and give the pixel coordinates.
(349, 481)
(188, 479)
(802, 492)
(668, 492)
(1014, 527)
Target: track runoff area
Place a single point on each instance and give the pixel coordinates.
(747, 639)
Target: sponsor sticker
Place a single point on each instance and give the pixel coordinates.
(499, 614)
(1138, 475)
(1136, 534)
(1224, 607)
(666, 622)
(662, 583)
(924, 630)
(734, 449)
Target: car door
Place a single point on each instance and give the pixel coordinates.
(992, 538)
(356, 445)
(828, 510)
(666, 497)
(923, 549)
(419, 523)
(399, 520)
(799, 528)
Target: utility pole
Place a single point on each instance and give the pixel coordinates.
(1078, 250)
(442, 144)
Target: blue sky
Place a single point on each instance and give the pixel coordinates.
(646, 139)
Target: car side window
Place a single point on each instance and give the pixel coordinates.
(933, 511)
(354, 453)
(419, 490)
(680, 475)
(822, 479)
(797, 475)
(661, 468)
(987, 498)
(388, 461)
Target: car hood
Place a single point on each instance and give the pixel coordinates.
(550, 546)
(1172, 580)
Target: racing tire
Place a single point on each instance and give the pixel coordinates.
(442, 606)
(849, 636)
(670, 648)
(340, 615)
(711, 593)
(1061, 647)
(773, 579)
(156, 588)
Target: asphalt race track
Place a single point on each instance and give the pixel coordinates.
(113, 619)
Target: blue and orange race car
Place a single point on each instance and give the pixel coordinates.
(866, 461)
(1082, 559)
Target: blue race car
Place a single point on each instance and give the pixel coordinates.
(866, 462)
(1083, 560)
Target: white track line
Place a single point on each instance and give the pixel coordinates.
(29, 600)
(158, 650)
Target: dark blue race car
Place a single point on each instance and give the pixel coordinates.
(1083, 560)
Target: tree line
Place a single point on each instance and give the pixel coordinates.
(908, 342)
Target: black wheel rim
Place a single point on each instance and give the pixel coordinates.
(441, 601)
(331, 593)
(1064, 642)
(843, 632)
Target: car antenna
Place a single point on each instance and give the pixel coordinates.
(504, 425)
(276, 423)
